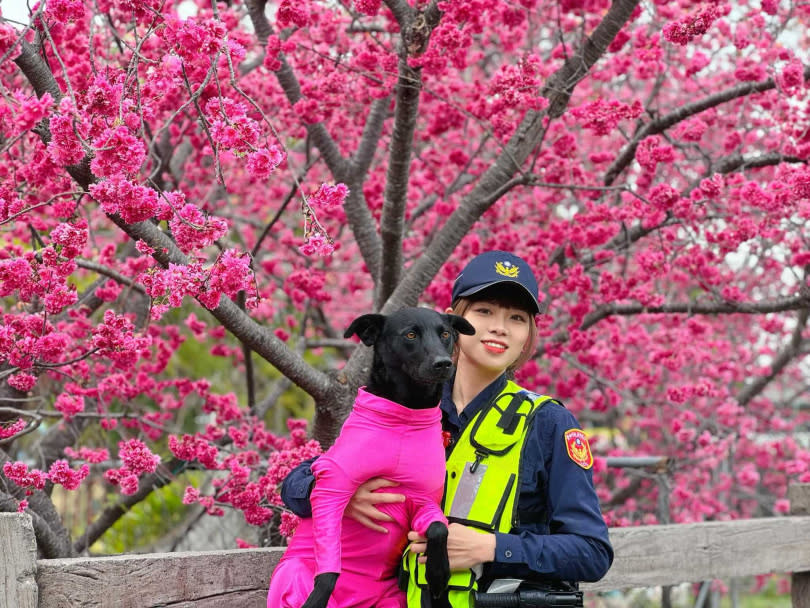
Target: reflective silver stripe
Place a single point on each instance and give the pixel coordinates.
(466, 491)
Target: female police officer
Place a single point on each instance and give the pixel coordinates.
(519, 489)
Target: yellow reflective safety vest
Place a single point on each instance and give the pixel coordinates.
(481, 486)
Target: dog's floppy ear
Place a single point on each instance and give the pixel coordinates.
(460, 324)
(367, 328)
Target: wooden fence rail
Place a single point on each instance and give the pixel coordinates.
(646, 556)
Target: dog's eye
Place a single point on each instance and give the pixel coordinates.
(445, 335)
(411, 335)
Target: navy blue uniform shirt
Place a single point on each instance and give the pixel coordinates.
(561, 534)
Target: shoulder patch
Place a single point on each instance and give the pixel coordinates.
(578, 448)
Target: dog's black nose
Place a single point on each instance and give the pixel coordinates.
(442, 363)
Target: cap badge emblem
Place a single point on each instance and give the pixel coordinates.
(507, 269)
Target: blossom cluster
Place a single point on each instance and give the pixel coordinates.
(250, 483)
(34, 479)
(65, 10)
(513, 89)
(31, 111)
(230, 274)
(12, 429)
(231, 127)
(190, 37)
(317, 243)
(65, 148)
(328, 197)
(193, 229)
(117, 340)
(91, 455)
(69, 405)
(652, 151)
(691, 26)
(602, 116)
(118, 195)
(138, 460)
(263, 161)
(655, 252)
(306, 284)
(117, 151)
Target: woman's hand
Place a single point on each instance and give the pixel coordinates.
(466, 547)
(363, 505)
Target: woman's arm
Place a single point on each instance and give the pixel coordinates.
(568, 539)
(296, 488)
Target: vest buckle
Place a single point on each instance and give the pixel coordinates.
(479, 456)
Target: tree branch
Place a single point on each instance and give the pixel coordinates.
(370, 139)
(112, 514)
(402, 11)
(731, 163)
(362, 223)
(562, 83)
(261, 25)
(415, 38)
(517, 150)
(357, 213)
(53, 539)
(109, 272)
(41, 78)
(259, 338)
(659, 125)
(37, 71)
(786, 355)
(317, 132)
(799, 302)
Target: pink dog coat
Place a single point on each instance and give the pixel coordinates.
(380, 438)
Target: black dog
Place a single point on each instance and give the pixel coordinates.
(394, 431)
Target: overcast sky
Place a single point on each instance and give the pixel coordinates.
(15, 9)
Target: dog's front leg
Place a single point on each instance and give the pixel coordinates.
(437, 569)
(324, 585)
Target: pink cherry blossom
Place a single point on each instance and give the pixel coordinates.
(200, 194)
(61, 473)
(12, 429)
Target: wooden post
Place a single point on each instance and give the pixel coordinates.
(18, 561)
(799, 496)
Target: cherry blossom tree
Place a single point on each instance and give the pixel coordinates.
(243, 178)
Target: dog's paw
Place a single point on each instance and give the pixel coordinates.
(324, 585)
(437, 569)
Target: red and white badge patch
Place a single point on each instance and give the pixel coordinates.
(579, 450)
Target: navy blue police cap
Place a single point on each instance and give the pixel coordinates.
(492, 268)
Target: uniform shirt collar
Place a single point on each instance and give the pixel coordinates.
(474, 406)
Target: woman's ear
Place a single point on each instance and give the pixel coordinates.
(448, 310)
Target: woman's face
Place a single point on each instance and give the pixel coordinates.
(501, 333)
